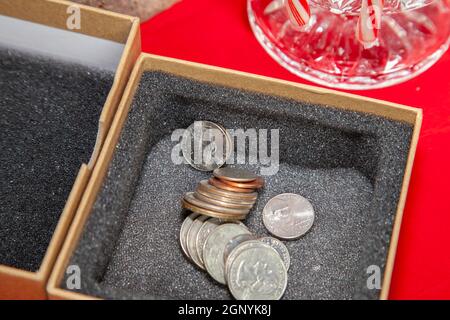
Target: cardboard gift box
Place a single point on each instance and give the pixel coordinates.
(350, 156)
(63, 70)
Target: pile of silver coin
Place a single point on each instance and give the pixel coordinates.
(253, 268)
(213, 236)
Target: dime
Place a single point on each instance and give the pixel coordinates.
(241, 247)
(233, 243)
(280, 248)
(225, 186)
(214, 248)
(206, 145)
(255, 184)
(257, 274)
(224, 199)
(288, 216)
(213, 201)
(191, 240)
(204, 185)
(189, 197)
(211, 213)
(234, 174)
(184, 230)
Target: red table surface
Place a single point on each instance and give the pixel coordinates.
(217, 32)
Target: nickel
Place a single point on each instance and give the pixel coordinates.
(288, 216)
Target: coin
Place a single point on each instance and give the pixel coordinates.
(255, 184)
(206, 229)
(233, 243)
(225, 186)
(215, 246)
(213, 201)
(191, 240)
(189, 197)
(280, 248)
(241, 247)
(224, 199)
(234, 174)
(184, 230)
(257, 274)
(211, 213)
(224, 193)
(288, 216)
(206, 145)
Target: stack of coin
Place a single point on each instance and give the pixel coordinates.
(229, 195)
(253, 268)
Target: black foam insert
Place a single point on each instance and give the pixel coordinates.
(350, 165)
(48, 126)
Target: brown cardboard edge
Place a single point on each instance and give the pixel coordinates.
(100, 169)
(390, 261)
(54, 13)
(250, 82)
(13, 280)
(131, 51)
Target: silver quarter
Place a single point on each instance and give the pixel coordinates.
(288, 216)
(206, 145)
(234, 174)
(206, 229)
(215, 246)
(280, 248)
(184, 230)
(191, 240)
(257, 274)
(241, 247)
(233, 243)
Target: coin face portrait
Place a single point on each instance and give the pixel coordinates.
(257, 274)
(288, 216)
(214, 248)
(206, 145)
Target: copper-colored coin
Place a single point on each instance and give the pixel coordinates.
(255, 184)
(225, 204)
(211, 213)
(234, 174)
(189, 197)
(224, 193)
(225, 186)
(205, 193)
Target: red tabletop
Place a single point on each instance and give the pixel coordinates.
(217, 32)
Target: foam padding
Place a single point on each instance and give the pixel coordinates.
(350, 165)
(48, 126)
